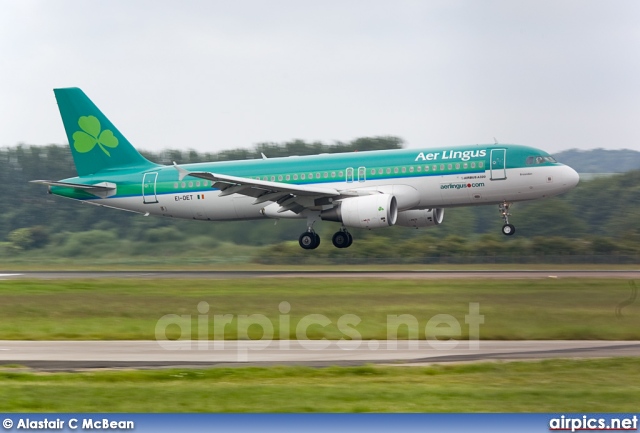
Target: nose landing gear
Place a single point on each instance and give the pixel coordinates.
(507, 229)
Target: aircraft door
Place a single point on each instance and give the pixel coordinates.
(349, 174)
(362, 174)
(498, 164)
(149, 188)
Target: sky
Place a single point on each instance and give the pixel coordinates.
(216, 75)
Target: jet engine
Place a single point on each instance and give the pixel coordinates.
(420, 218)
(367, 212)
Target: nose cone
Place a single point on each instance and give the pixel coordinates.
(570, 177)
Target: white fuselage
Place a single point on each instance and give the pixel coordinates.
(518, 184)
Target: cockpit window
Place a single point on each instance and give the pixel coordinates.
(531, 160)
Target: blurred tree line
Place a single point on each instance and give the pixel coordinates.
(600, 160)
(601, 216)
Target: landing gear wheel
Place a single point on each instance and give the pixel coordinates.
(350, 240)
(341, 239)
(508, 229)
(309, 240)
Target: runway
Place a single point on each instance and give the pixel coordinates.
(74, 355)
(78, 355)
(417, 274)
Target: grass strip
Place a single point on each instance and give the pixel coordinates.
(129, 309)
(605, 385)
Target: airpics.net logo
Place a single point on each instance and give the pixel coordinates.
(255, 332)
(91, 135)
(592, 423)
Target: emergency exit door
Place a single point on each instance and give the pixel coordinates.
(149, 188)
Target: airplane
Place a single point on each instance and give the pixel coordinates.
(370, 190)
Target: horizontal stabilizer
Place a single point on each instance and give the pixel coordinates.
(103, 189)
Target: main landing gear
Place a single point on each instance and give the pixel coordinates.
(342, 239)
(507, 229)
(310, 240)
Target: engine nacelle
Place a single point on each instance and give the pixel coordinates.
(367, 212)
(420, 218)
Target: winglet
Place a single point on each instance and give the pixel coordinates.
(183, 173)
(263, 155)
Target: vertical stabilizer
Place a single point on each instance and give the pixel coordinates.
(96, 144)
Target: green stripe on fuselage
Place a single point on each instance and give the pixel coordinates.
(394, 164)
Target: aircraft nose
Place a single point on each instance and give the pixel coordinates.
(570, 177)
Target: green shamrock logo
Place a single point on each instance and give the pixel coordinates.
(380, 209)
(85, 140)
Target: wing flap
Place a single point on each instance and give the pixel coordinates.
(291, 197)
(227, 181)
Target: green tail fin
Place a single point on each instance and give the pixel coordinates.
(96, 144)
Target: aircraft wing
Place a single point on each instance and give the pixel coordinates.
(291, 197)
(103, 189)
